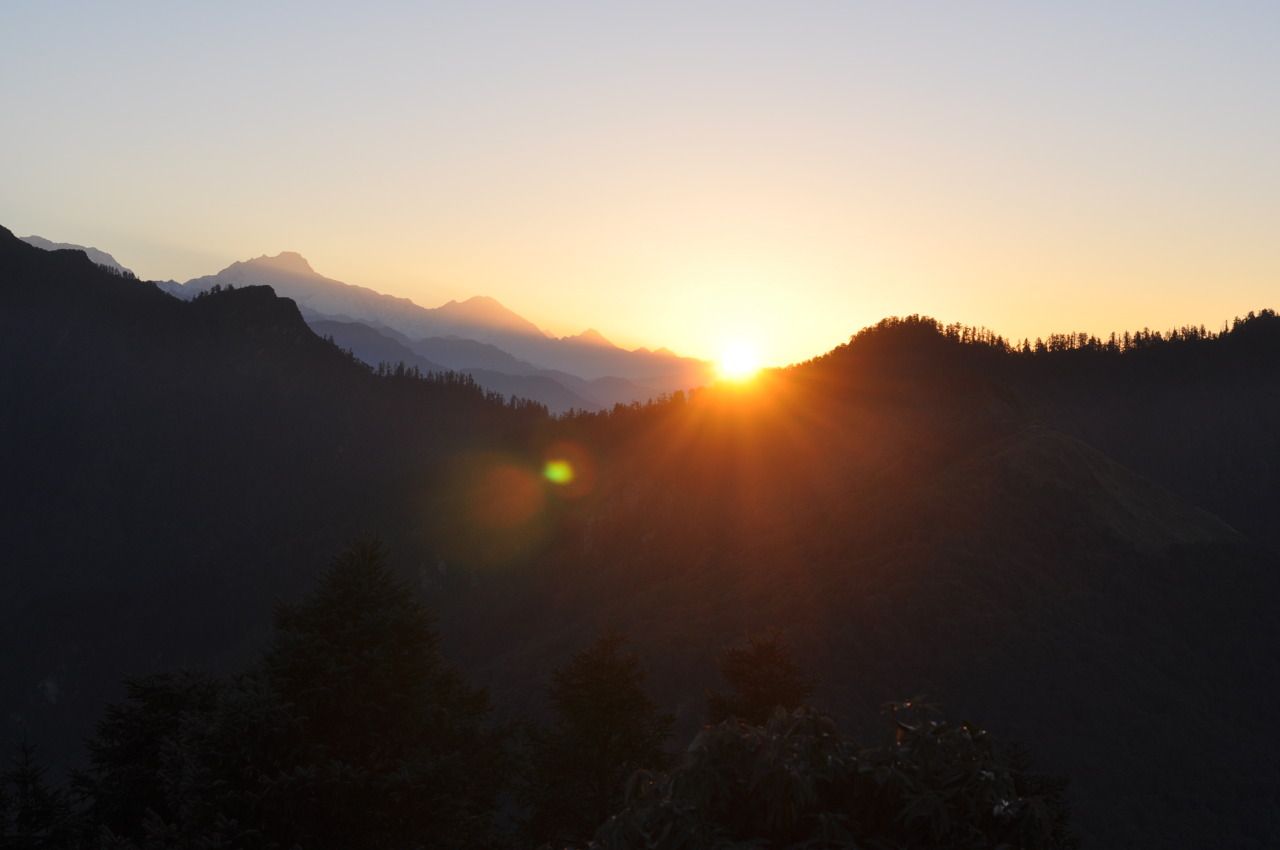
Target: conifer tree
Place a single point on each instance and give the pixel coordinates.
(353, 732)
(34, 815)
(762, 677)
(605, 729)
(396, 752)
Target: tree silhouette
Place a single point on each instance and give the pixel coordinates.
(605, 729)
(352, 733)
(762, 677)
(140, 750)
(396, 754)
(34, 815)
(798, 782)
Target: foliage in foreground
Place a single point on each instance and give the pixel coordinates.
(34, 814)
(606, 728)
(353, 732)
(796, 782)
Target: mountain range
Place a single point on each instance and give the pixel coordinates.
(1073, 545)
(500, 349)
(98, 256)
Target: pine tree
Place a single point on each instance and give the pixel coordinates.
(762, 678)
(33, 814)
(396, 752)
(179, 762)
(605, 729)
(353, 732)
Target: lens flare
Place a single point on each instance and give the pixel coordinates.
(570, 468)
(558, 471)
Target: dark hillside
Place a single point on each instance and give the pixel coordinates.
(172, 467)
(905, 511)
(1200, 415)
(1070, 546)
(1198, 412)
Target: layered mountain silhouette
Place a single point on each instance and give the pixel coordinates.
(514, 380)
(590, 336)
(1075, 546)
(149, 441)
(98, 256)
(482, 335)
(489, 365)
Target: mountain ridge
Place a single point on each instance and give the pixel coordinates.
(920, 511)
(378, 349)
(588, 356)
(96, 255)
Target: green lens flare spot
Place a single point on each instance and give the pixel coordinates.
(558, 471)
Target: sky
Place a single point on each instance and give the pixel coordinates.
(693, 175)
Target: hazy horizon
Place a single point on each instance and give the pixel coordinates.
(687, 178)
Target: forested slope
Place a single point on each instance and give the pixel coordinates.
(1071, 546)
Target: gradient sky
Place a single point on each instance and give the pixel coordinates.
(679, 174)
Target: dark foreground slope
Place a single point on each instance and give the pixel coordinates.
(909, 513)
(920, 514)
(171, 468)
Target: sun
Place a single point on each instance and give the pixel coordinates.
(738, 362)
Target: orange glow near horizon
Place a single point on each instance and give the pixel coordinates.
(794, 174)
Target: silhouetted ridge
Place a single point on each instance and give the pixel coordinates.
(916, 338)
(573, 362)
(1067, 541)
(290, 261)
(30, 275)
(591, 336)
(170, 464)
(480, 312)
(98, 256)
(253, 307)
(1196, 410)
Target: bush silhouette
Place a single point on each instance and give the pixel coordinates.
(797, 782)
